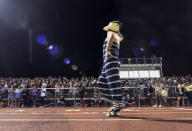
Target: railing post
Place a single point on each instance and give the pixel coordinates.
(55, 98)
(139, 99)
(161, 66)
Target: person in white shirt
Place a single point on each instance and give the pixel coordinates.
(18, 91)
(43, 95)
(164, 95)
(57, 90)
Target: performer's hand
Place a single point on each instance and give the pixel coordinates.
(107, 56)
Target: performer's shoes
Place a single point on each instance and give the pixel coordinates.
(114, 112)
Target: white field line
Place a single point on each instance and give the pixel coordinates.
(90, 120)
(83, 113)
(60, 120)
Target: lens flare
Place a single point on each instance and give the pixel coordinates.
(155, 41)
(53, 49)
(74, 67)
(142, 49)
(41, 39)
(50, 47)
(137, 52)
(67, 61)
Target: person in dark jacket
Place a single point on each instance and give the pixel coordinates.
(180, 95)
(82, 95)
(136, 93)
(25, 97)
(150, 94)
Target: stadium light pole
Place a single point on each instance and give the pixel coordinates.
(4, 4)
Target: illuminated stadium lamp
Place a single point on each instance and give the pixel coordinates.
(133, 74)
(123, 74)
(144, 74)
(67, 61)
(154, 73)
(41, 39)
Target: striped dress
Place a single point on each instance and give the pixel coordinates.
(109, 80)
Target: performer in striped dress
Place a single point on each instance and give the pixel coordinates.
(109, 79)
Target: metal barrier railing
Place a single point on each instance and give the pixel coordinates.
(72, 97)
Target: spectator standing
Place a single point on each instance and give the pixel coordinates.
(0, 93)
(164, 95)
(136, 93)
(158, 92)
(82, 94)
(11, 96)
(150, 94)
(57, 90)
(35, 95)
(97, 98)
(18, 92)
(25, 96)
(180, 94)
(42, 95)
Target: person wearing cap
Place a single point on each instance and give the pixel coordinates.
(109, 80)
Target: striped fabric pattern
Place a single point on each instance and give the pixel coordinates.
(109, 80)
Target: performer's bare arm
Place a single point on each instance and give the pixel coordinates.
(109, 40)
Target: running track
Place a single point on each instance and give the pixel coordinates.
(94, 119)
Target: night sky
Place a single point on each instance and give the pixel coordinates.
(151, 27)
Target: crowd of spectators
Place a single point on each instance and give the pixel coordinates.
(35, 92)
(157, 90)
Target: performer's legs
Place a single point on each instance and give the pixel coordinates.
(102, 85)
(113, 80)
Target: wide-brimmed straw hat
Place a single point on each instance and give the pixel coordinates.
(112, 26)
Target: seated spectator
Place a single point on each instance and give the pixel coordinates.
(128, 101)
(61, 101)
